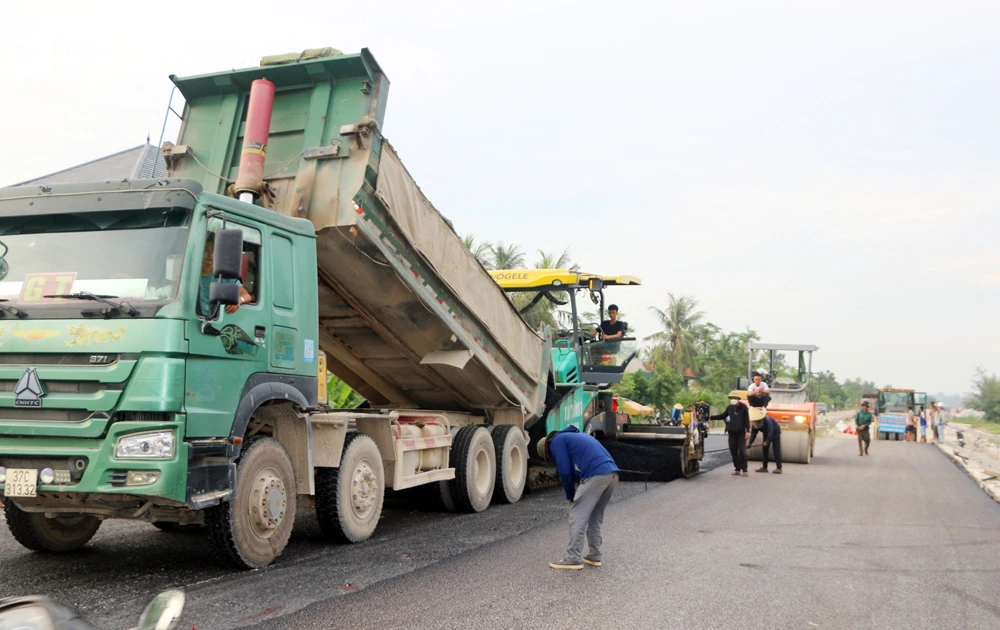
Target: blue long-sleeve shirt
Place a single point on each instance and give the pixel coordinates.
(770, 429)
(578, 456)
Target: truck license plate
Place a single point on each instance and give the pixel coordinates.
(21, 482)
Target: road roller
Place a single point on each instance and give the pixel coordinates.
(786, 369)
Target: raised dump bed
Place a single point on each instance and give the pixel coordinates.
(407, 315)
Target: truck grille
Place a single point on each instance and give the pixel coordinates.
(32, 359)
(69, 387)
(50, 415)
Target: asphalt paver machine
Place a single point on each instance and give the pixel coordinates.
(585, 366)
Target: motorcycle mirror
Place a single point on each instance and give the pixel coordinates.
(4, 267)
(163, 612)
(33, 616)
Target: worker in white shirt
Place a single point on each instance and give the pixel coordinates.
(758, 394)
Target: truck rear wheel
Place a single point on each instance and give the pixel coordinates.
(66, 532)
(511, 453)
(349, 498)
(474, 459)
(252, 529)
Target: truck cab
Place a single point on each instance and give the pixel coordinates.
(125, 366)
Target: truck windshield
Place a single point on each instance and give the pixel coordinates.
(132, 255)
(894, 401)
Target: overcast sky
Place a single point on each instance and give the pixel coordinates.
(821, 172)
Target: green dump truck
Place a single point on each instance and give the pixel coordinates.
(164, 342)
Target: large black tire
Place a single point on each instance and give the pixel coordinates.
(474, 460)
(440, 495)
(511, 453)
(253, 527)
(39, 533)
(349, 498)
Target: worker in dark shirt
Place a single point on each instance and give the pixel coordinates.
(863, 421)
(589, 477)
(760, 422)
(612, 329)
(738, 427)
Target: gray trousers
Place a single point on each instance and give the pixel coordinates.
(586, 515)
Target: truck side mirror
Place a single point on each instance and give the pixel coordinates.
(228, 254)
(163, 612)
(225, 293)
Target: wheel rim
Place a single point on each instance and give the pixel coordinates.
(268, 501)
(481, 474)
(364, 489)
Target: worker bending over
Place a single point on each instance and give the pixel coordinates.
(589, 476)
(765, 424)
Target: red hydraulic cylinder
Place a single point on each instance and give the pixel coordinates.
(251, 174)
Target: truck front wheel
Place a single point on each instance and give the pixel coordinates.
(252, 529)
(349, 498)
(39, 533)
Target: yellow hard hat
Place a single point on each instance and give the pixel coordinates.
(735, 394)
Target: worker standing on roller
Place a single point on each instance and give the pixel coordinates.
(758, 394)
(738, 427)
(589, 476)
(763, 423)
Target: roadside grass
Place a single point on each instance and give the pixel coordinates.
(979, 423)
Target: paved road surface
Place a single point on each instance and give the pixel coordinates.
(849, 537)
(126, 564)
(900, 539)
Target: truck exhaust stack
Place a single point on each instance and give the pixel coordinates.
(250, 179)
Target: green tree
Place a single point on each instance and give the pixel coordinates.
(482, 251)
(548, 260)
(724, 359)
(340, 395)
(986, 395)
(658, 388)
(823, 387)
(855, 389)
(542, 310)
(507, 256)
(680, 322)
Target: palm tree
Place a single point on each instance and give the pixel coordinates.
(681, 323)
(482, 251)
(551, 261)
(507, 256)
(546, 310)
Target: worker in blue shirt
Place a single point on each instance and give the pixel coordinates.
(589, 476)
(760, 422)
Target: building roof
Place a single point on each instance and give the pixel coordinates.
(134, 163)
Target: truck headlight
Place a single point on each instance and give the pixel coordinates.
(800, 419)
(156, 445)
